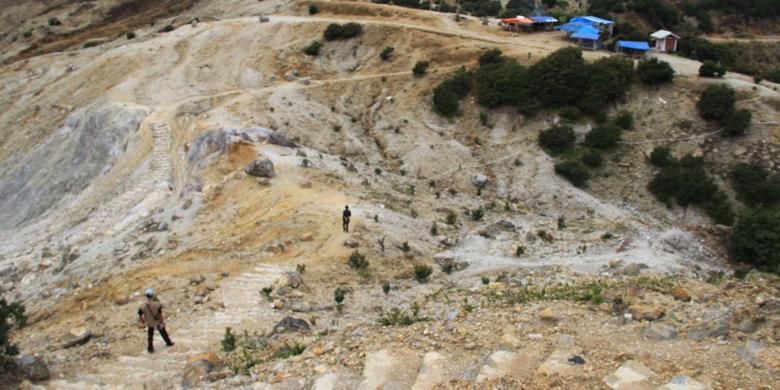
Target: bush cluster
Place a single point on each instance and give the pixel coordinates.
(567, 82)
(386, 53)
(357, 261)
(686, 183)
(754, 185)
(447, 95)
(420, 67)
(717, 104)
(574, 171)
(558, 139)
(313, 49)
(756, 239)
(712, 69)
(654, 72)
(336, 31)
(603, 137)
(11, 315)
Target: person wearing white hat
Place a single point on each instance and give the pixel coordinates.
(151, 315)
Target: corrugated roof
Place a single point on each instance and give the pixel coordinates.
(517, 20)
(587, 33)
(591, 19)
(634, 45)
(544, 19)
(661, 34)
(572, 27)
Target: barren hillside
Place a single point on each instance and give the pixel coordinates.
(124, 166)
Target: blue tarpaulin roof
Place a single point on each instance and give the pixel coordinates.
(591, 19)
(572, 27)
(543, 19)
(588, 33)
(633, 45)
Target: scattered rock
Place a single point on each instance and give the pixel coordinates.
(479, 180)
(632, 269)
(509, 342)
(505, 363)
(681, 294)
(261, 168)
(659, 332)
(616, 263)
(307, 237)
(684, 382)
(291, 324)
(277, 304)
(390, 370)
(448, 262)
(326, 381)
(749, 352)
(195, 373)
(351, 243)
(434, 370)
(707, 329)
(76, 336)
(632, 375)
(748, 325)
(548, 315)
(646, 313)
(288, 280)
(32, 368)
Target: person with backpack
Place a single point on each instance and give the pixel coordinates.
(150, 314)
(345, 216)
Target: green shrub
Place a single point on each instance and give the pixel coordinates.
(338, 295)
(603, 137)
(313, 49)
(717, 102)
(386, 288)
(560, 77)
(167, 28)
(624, 120)
(445, 101)
(592, 158)
(386, 53)
(54, 22)
(574, 171)
(313, 9)
(520, 250)
(89, 44)
(711, 69)
(11, 315)
(754, 185)
(662, 157)
(608, 80)
(492, 56)
(130, 35)
(27, 33)
(398, 317)
(452, 218)
(336, 31)
(420, 67)
(422, 272)
(653, 72)
(738, 123)
(477, 214)
(287, 350)
(570, 113)
(504, 83)
(228, 341)
(357, 261)
(701, 49)
(773, 75)
(756, 239)
(687, 183)
(557, 139)
(485, 280)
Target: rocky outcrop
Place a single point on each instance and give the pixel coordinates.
(261, 168)
(32, 368)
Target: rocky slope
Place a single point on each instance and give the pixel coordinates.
(130, 173)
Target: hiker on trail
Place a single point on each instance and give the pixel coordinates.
(151, 315)
(345, 218)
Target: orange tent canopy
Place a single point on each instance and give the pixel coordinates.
(517, 20)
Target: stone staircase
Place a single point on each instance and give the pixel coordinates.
(162, 370)
(157, 182)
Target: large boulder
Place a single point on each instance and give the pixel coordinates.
(288, 280)
(32, 368)
(197, 370)
(479, 180)
(291, 324)
(632, 375)
(261, 168)
(395, 369)
(707, 329)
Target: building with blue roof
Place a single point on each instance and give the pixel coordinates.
(584, 34)
(605, 26)
(632, 48)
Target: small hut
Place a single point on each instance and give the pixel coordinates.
(517, 23)
(546, 23)
(665, 41)
(636, 49)
(605, 26)
(588, 38)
